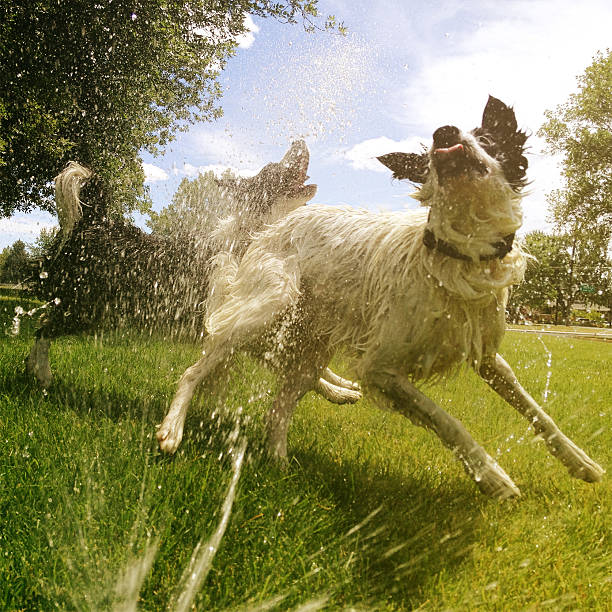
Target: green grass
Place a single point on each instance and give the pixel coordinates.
(372, 512)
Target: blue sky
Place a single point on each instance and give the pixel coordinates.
(405, 68)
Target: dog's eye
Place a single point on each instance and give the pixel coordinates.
(488, 144)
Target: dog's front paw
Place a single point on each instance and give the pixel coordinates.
(493, 481)
(578, 463)
(169, 436)
(42, 375)
(499, 488)
(37, 363)
(589, 471)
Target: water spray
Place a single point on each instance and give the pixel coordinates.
(204, 552)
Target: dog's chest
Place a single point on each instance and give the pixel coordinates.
(435, 334)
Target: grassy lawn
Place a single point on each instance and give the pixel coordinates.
(372, 513)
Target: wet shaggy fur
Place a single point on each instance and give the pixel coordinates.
(111, 273)
(410, 296)
(104, 272)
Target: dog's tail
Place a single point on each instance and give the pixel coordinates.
(68, 185)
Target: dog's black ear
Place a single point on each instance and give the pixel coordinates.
(411, 166)
(498, 118)
(503, 140)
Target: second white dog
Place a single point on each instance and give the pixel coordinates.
(409, 296)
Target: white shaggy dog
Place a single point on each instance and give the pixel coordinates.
(409, 296)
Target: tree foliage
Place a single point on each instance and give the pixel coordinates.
(99, 81)
(546, 270)
(564, 269)
(44, 244)
(581, 131)
(15, 263)
(196, 207)
(3, 255)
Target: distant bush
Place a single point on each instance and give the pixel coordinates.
(589, 318)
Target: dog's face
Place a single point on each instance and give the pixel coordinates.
(279, 187)
(286, 179)
(497, 143)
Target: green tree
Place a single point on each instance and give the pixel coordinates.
(3, 255)
(581, 131)
(44, 245)
(565, 269)
(545, 277)
(100, 81)
(196, 207)
(16, 264)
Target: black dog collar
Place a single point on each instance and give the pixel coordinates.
(502, 248)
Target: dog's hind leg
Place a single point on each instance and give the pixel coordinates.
(299, 375)
(337, 394)
(37, 362)
(409, 401)
(498, 374)
(300, 361)
(279, 416)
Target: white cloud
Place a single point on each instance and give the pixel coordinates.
(362, 156)
(529, 57)
(153, 173)
(24, 227)
(221, 35)
(191, 171)
(248, 38)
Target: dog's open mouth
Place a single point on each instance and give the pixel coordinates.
(455, 160)
(297, 160)
(299, 190)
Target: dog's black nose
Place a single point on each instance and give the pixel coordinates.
(446, 136)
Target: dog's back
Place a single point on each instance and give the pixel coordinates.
(378, 291)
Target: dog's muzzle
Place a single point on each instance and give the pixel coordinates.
(451, 157)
